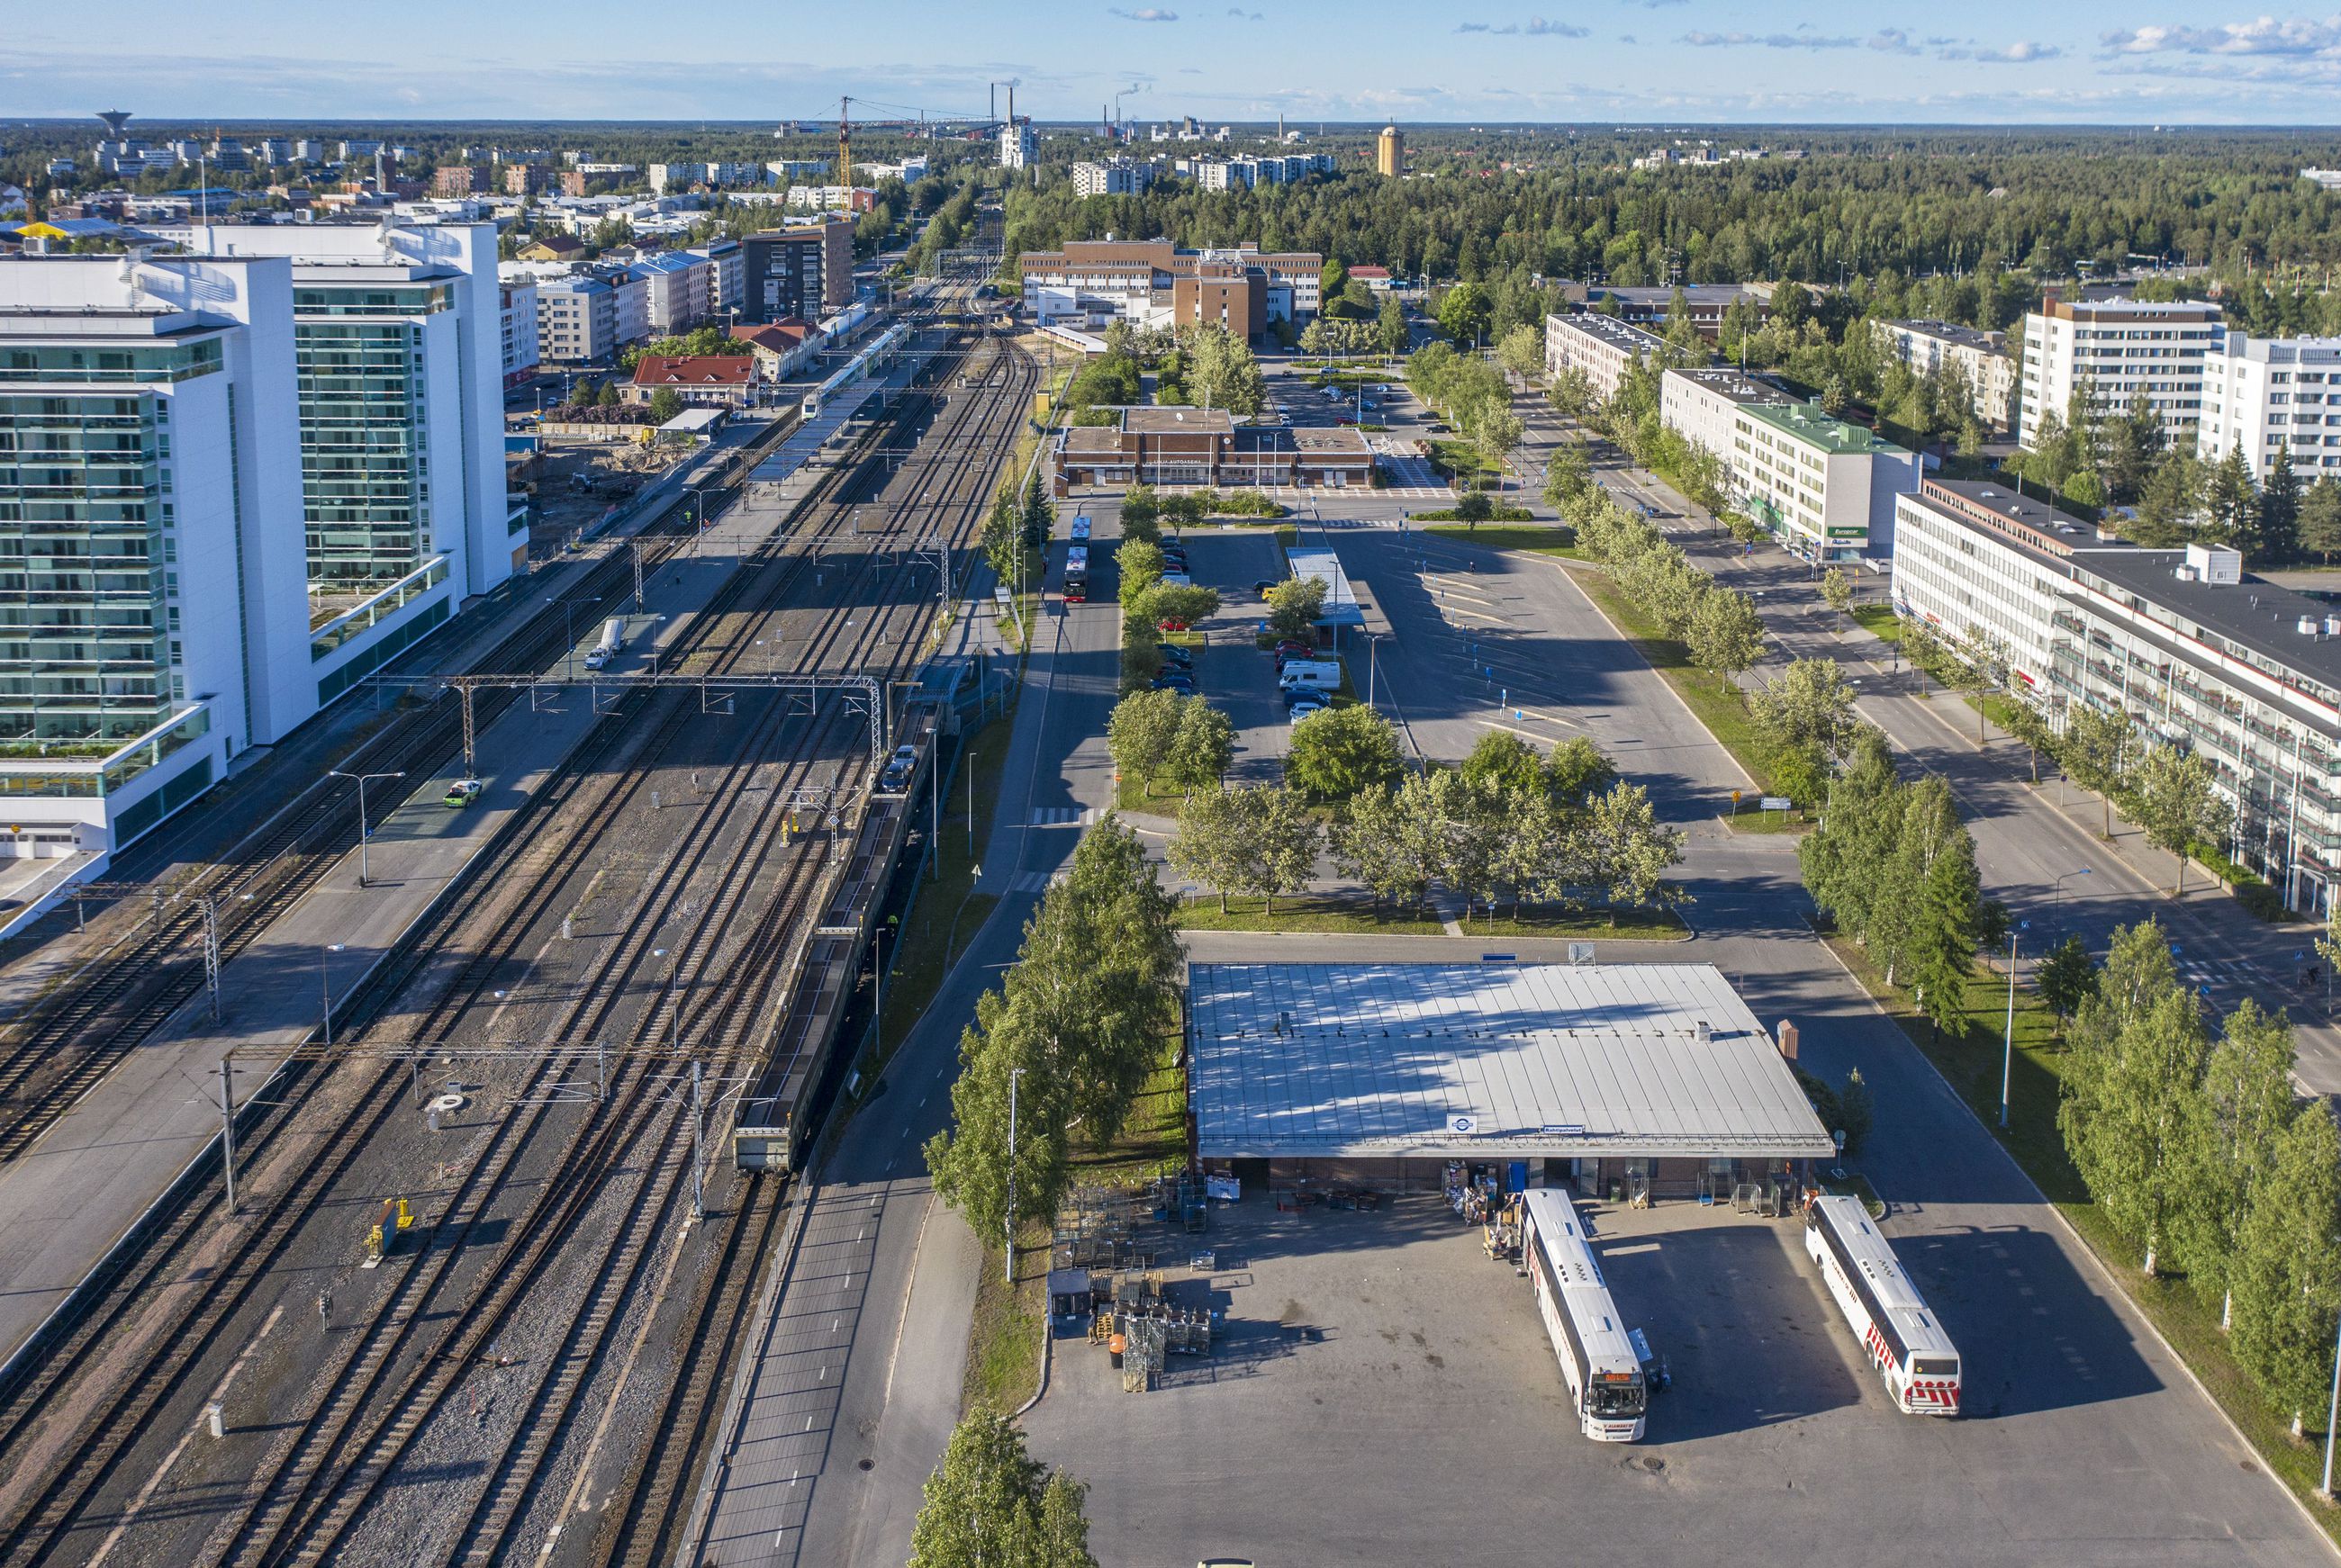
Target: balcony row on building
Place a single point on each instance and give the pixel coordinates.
(245, 466)
(2192, 650)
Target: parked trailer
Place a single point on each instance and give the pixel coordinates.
(1588, 1335)
(613, 637)
(1908, 1345)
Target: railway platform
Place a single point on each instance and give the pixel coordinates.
(84, 1187)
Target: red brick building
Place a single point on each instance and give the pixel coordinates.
(1199, 447)
(459, 180)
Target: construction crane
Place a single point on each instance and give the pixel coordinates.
(845, 143)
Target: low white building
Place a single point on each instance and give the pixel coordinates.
(1981, 357)
(1602, 348)
(2264, 395)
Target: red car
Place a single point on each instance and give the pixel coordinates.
(1170, 625)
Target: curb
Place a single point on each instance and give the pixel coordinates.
(1047, 1339)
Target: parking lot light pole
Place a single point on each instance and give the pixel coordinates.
(366, 829)
(2060, 903)
(2007, 1045)
(2332, 1413)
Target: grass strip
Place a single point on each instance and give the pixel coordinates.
(1302, 912)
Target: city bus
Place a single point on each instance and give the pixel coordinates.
(1588, 1335)
(1081, 530)
(1908, 1345)
(1077, 574)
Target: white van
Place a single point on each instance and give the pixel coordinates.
(1310, 675)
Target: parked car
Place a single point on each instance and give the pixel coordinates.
(899, 767)
(1292, 645)
(1178, 656)
(461, 793)
(1184, 685)
(1264, 585)
(1304, 706)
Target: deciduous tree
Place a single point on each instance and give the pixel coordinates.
(1340, 752)
(2288, 1276)
(2178, 804)
(988, 1505)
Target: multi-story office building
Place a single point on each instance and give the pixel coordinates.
(805, 271)
(576, 320)
(1981, 357)
(1823, 488)
(1018, 145)
(518, 311)
(2110, 352)
(2195, 652)
(1602, 348)
(2270, 395)
(1114, 178)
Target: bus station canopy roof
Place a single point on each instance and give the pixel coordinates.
(1494, 1060)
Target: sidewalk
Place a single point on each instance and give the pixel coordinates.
(90, 1179)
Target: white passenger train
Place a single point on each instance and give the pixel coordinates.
(1588, 1335)
(1893, 1322)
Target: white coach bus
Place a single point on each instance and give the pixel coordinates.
(1588, 1335)
(1892, 1321)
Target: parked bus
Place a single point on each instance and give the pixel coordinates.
(1081, 530)
(1077, 574)
(1916, 1358)
(1588, 1335)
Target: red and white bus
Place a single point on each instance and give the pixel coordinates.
(1891, 1319)
(1588, 1335)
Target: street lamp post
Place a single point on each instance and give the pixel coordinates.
(365, 826)
(1008, 1224)
(2332, 1407)
(324, 985)
(2008, 1043)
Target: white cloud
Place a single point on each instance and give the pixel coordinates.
(1144, 14)
(2022, 53)
(1803, 38)
(1534, 27)
(2300, 38)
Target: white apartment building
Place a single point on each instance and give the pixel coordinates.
(2113, 352)
(2269, 395)
(576, 320)
(1602, 348)
(1114, 178)
(2197, 653)
(629, 306)
(520, 356)
(1982, 357)
(727, 275)
(1823, 488)
(1018, 145)
(396, 329)
(677, 287)
(154, 610)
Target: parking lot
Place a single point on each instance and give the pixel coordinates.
(1381, 1391)
(1234, 676)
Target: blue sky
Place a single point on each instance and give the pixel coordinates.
(2172, 62)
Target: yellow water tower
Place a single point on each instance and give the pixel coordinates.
(1389, 153)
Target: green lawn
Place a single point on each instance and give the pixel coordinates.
(1969, 1057)
(1150, 796)
(1879, 618)
(1748, 821)
(1718, 707)
(1302, 912)
(1555, 539)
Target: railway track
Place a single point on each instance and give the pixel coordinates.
(329, 1473)
(77, 1032)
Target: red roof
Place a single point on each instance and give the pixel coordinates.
(694, 370)
(1370, 271)
(775, 337)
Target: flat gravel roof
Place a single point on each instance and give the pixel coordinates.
(1487, 1060)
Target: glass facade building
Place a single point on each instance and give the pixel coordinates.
(365, 464)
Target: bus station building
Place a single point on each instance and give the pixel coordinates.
(1603, 1077)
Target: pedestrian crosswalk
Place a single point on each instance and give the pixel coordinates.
(1064, 815)
(1034, 882)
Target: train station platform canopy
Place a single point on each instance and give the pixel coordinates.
(1487, 1061)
